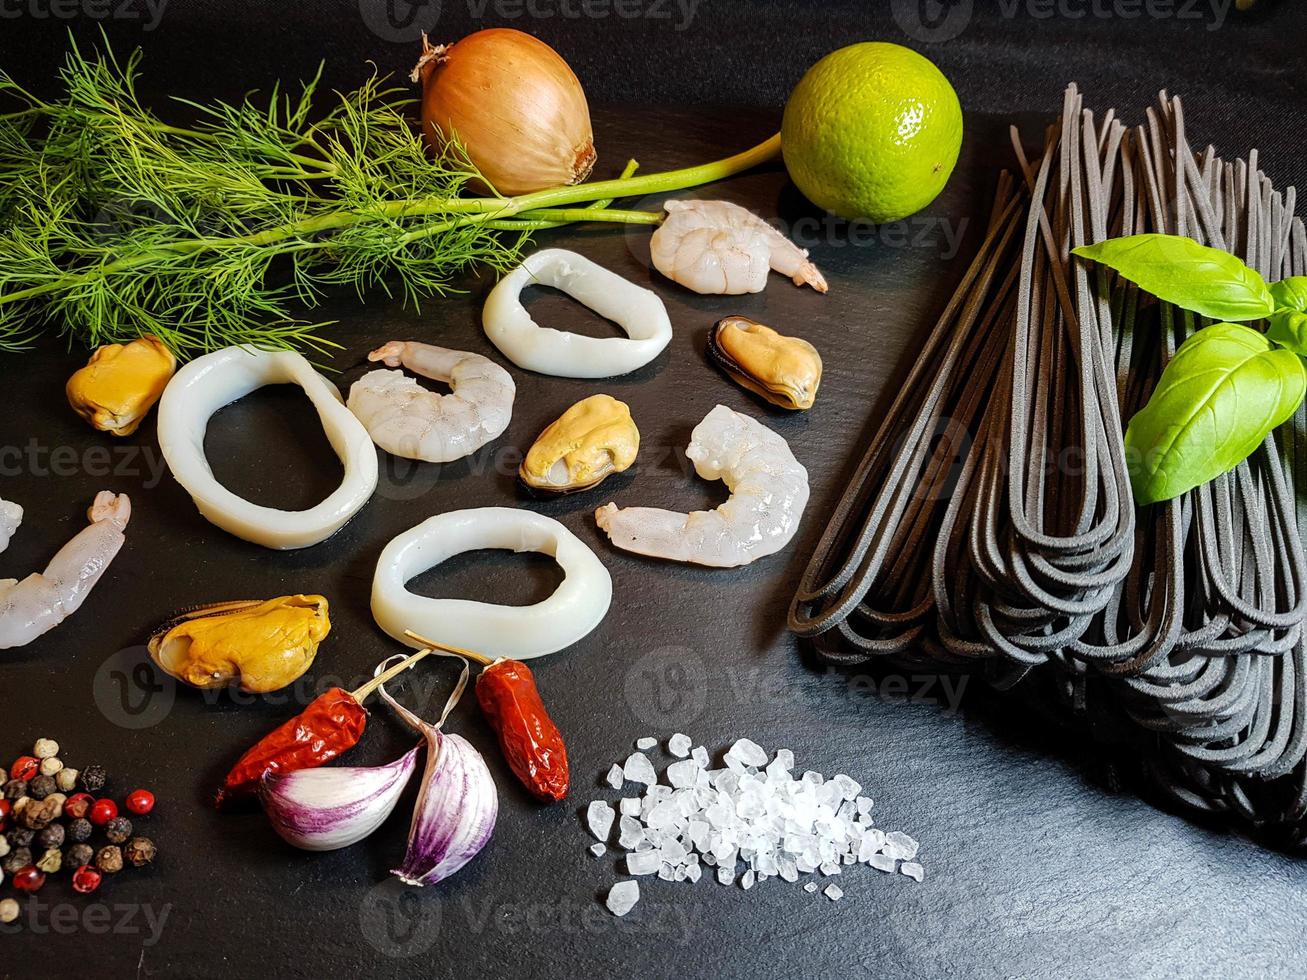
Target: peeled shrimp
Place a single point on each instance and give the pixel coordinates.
(43, 600)
(405, 419)
(769, 489)
(719, 247)
(11, 515)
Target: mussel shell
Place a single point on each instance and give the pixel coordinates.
(620, 450)
(773, 390)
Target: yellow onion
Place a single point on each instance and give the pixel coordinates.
(514, 106)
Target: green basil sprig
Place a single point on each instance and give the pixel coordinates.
(1228, 386)
(1186, 274)
(1221, 394)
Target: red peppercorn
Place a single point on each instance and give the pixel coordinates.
(103, 811)
(5, 808)
(29, 879)
(78, 805)
(25, 767)
(140, 801)
(86, 880)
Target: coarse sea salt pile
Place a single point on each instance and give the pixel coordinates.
(748, 821)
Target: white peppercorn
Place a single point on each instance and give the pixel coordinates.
(66, 780)
(45, 748)
(9, 910)
(51, 766)
(51, 861)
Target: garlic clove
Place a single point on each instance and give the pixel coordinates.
(327, 809)
(455, 814)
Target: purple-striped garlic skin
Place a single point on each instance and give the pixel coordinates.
(455, 814)
(327, 809)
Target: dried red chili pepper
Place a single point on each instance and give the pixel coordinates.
(331, 724)
(530, 740)
(528, 737)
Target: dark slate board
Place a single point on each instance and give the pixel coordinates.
(1033, 867)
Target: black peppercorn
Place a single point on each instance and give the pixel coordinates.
(42, 786)
(52, 836)
(19, 836)
(140, 851)
(118, 830)
(93, 778)
(109, 859)
(15, 789)
(80, 854)
(79, 830)
(19, 858)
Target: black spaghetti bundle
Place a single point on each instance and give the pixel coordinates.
(990, 524)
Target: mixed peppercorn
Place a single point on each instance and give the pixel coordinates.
(49, 814)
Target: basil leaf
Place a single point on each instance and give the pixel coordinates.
(1182, 272)
(1222, 393)
(1289, 329)
(1290, 294)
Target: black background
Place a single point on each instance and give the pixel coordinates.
(1033, 866)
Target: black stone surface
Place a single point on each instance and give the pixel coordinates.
(1033, 867)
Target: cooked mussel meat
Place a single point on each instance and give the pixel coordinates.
(786, 371)
(592, 440)
(261, 645)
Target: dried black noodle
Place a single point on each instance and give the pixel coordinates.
(989, 525)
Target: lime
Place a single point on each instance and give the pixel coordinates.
(872, 131)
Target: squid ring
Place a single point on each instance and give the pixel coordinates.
(517, 632)
(638, 311)
(210, 382)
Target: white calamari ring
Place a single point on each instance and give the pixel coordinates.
(518, 632)
(638, 311)
(208, 383)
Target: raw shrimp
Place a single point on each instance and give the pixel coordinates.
(405, 419)
(769, 489)
(43, 600)
(719, 247)
(11, 515)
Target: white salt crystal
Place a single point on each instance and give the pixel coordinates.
(631, 833)
(746, 880)
(848, 787)
(623, 896)
(666, 872)
(700, 755)
(864, 805)
(629, 806)
(615, 777)
(833, 892)
(810, 887)
(639, 769)
(913, 870)
(599, 815)
(784, 759)
(830, 868)
(882, 862)
(679, 745)
(683, 774)
(597, 850)
(646, 743)
(725, 876)
(693, 873)
(643, 862)
(748, 752)
(901, 845)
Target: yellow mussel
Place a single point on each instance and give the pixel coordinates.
(592, 440)
(784, 370)
(262, 645)
(120, 384)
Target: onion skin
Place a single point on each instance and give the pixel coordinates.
(514, 105)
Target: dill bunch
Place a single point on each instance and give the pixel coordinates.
(115, 223)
